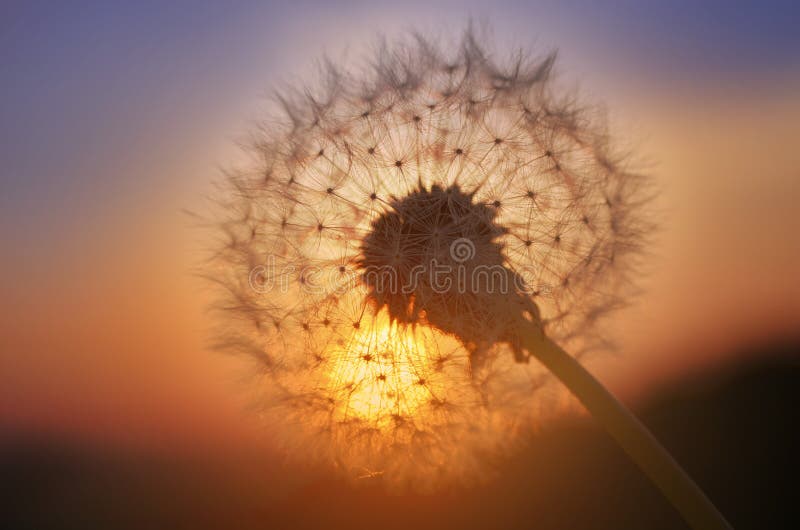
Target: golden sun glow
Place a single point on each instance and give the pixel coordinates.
(380, 373)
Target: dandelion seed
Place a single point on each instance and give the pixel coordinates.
(312, 215)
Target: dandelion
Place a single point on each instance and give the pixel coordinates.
(409, 235)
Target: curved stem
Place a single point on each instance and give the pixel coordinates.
(634, 438)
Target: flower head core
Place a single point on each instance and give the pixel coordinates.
(434, 255)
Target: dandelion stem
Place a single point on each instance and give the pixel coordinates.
(634, 438)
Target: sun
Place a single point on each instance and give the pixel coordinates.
(381, 373)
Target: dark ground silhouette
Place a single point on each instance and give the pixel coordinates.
(734, 432)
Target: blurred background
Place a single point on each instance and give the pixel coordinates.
(116, 117)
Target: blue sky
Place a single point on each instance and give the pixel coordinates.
(95, 92)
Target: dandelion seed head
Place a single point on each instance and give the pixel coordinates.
(423, 159)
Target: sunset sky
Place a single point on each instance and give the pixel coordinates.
(116, 117)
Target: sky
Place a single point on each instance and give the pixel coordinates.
(116, 117)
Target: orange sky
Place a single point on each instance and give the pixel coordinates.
(103, 329)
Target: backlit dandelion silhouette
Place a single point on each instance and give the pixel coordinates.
(410, 234)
